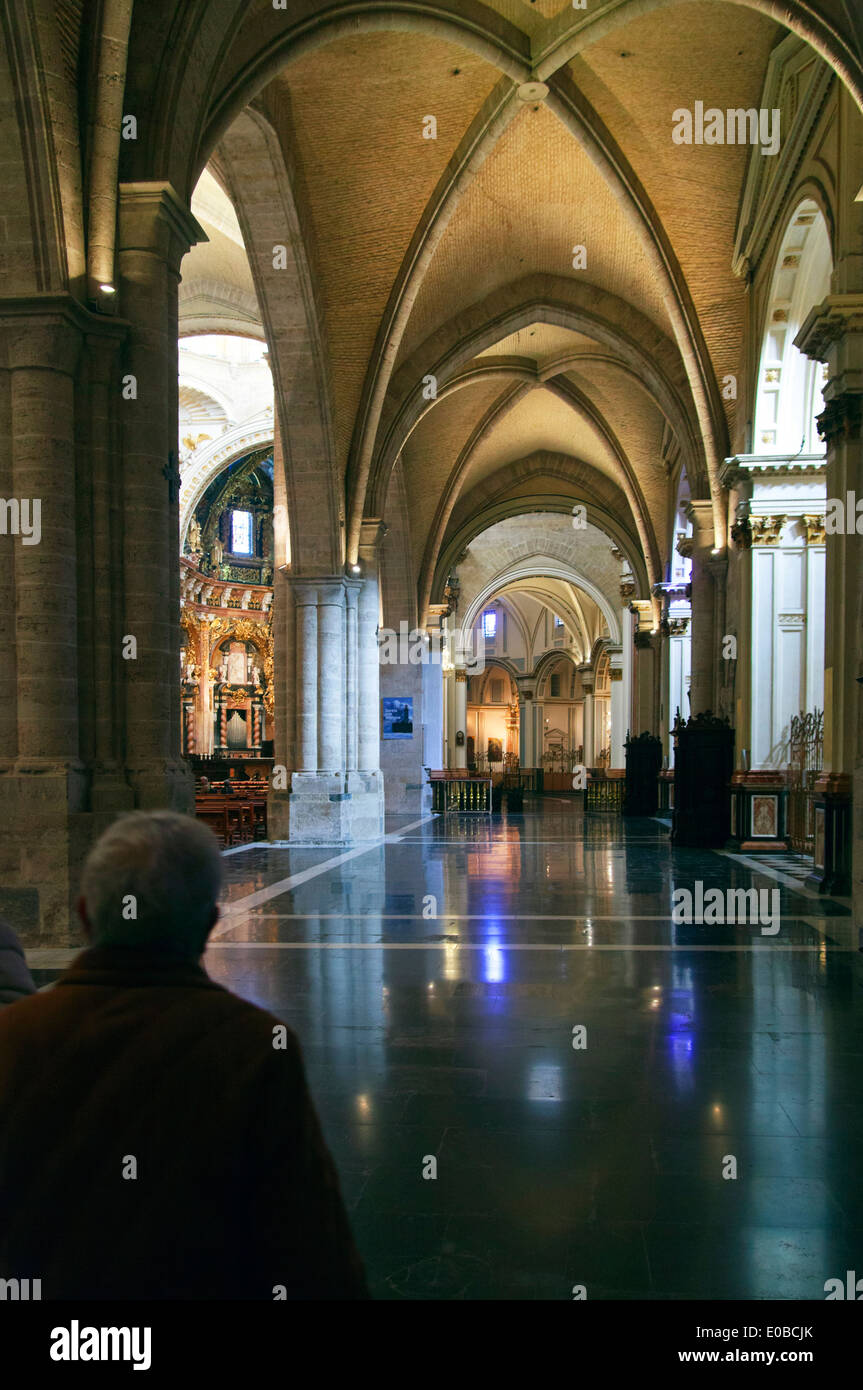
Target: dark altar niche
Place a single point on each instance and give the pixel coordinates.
(643, 762)
(703, 765)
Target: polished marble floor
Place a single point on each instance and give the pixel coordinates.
(435, 981)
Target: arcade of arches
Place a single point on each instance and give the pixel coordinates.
(334, 323)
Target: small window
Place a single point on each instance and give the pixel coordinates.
(489, 625)
(554, 686)
(241, 533)
(558, 622)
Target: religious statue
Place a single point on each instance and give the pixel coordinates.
(217, 552)
(195, 536)
(236, 664)
(223, 670)
(254, 674)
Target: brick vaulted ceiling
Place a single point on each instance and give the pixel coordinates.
(454, 257)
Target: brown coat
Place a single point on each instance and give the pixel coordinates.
(131, 1056)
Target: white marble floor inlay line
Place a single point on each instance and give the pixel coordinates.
(240, 906)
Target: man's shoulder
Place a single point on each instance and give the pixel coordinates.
(69, 997)
(253, 1018)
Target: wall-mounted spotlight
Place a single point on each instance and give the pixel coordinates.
(107, 289)
(356, 569)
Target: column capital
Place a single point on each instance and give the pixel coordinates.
(153, 218)
(828, 322)
(37, 340)
(372, 531)
(305, 592)
(331, 593)
(699, 511)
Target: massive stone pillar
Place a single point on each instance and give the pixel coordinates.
(368, 661)
(306, 676)
(100, 565)
(42, 782)
(351, 593)
(330, 739)
(703, 654)
(833, 332)
(155, 232)
(331, 701)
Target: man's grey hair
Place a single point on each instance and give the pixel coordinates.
(153, 880)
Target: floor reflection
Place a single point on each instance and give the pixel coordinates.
(435, 982)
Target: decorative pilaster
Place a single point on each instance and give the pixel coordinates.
(833, 332)
(588, 678)
(461, 718)
(703, 670)
(619, 723)
(526, 749)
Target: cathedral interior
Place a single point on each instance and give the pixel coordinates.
(431, 452)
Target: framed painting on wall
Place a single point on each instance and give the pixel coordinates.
(397, 717)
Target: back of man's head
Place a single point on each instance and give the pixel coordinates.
(152, 881)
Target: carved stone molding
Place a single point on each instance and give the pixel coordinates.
(741, 533)
(839, 421)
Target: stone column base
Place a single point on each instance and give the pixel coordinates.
(46, 835)
(52, 813)
(328, 809)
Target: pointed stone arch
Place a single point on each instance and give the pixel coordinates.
(252, 165)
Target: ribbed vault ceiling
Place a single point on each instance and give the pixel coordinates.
(411, 240)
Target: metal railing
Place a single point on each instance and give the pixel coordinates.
(604, 794)
(806, 760)
(467, 796)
